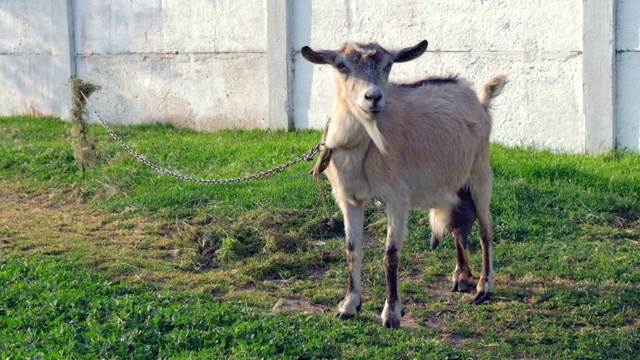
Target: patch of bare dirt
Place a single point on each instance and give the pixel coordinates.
(299, 303)
(625, 219)
(47, 225)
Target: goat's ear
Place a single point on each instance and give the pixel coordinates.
(319, 57)
(410, 53)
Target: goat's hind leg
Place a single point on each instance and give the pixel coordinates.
(458, 219)
(481, 193)
(461, 221)
(353, 213)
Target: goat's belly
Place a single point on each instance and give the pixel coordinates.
(427, 200)
(431, 190)
(428, 196)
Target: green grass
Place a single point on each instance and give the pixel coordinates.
(122, 262)
(56, 311)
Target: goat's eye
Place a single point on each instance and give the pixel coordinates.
(342, 68)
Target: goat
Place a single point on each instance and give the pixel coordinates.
(422, 144)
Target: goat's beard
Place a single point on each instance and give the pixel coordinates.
(371, 126)
(355, 115)
(370, 123)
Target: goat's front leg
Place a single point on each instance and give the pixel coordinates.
(353, 212)
(396, 233)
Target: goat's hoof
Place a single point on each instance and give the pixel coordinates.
(392, 323)
(481, 297)
(461, 285)
(345, 316)
(391, 318)
(435, 241)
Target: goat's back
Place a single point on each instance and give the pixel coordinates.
(440, 102)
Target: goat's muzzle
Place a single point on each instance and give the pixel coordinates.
(372, 101)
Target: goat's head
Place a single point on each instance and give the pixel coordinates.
(363, 72)
(362, 76)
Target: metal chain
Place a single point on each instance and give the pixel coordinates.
(308, 157)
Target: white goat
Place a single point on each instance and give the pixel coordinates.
(423, 144)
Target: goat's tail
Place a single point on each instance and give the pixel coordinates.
(492, 89)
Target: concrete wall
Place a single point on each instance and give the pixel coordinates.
(628, 74)
(35, 58)
(209, 64)
(199, 64)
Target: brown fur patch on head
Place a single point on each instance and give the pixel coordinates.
(359, 52)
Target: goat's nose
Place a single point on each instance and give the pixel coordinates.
(373, 96)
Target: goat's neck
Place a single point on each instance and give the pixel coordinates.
(346, 131)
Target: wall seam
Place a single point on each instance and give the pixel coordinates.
(599, 75)
(280, 64)
(71, 18)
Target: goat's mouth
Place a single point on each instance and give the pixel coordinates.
(373, 113)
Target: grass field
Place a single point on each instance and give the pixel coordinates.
(119, 261)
